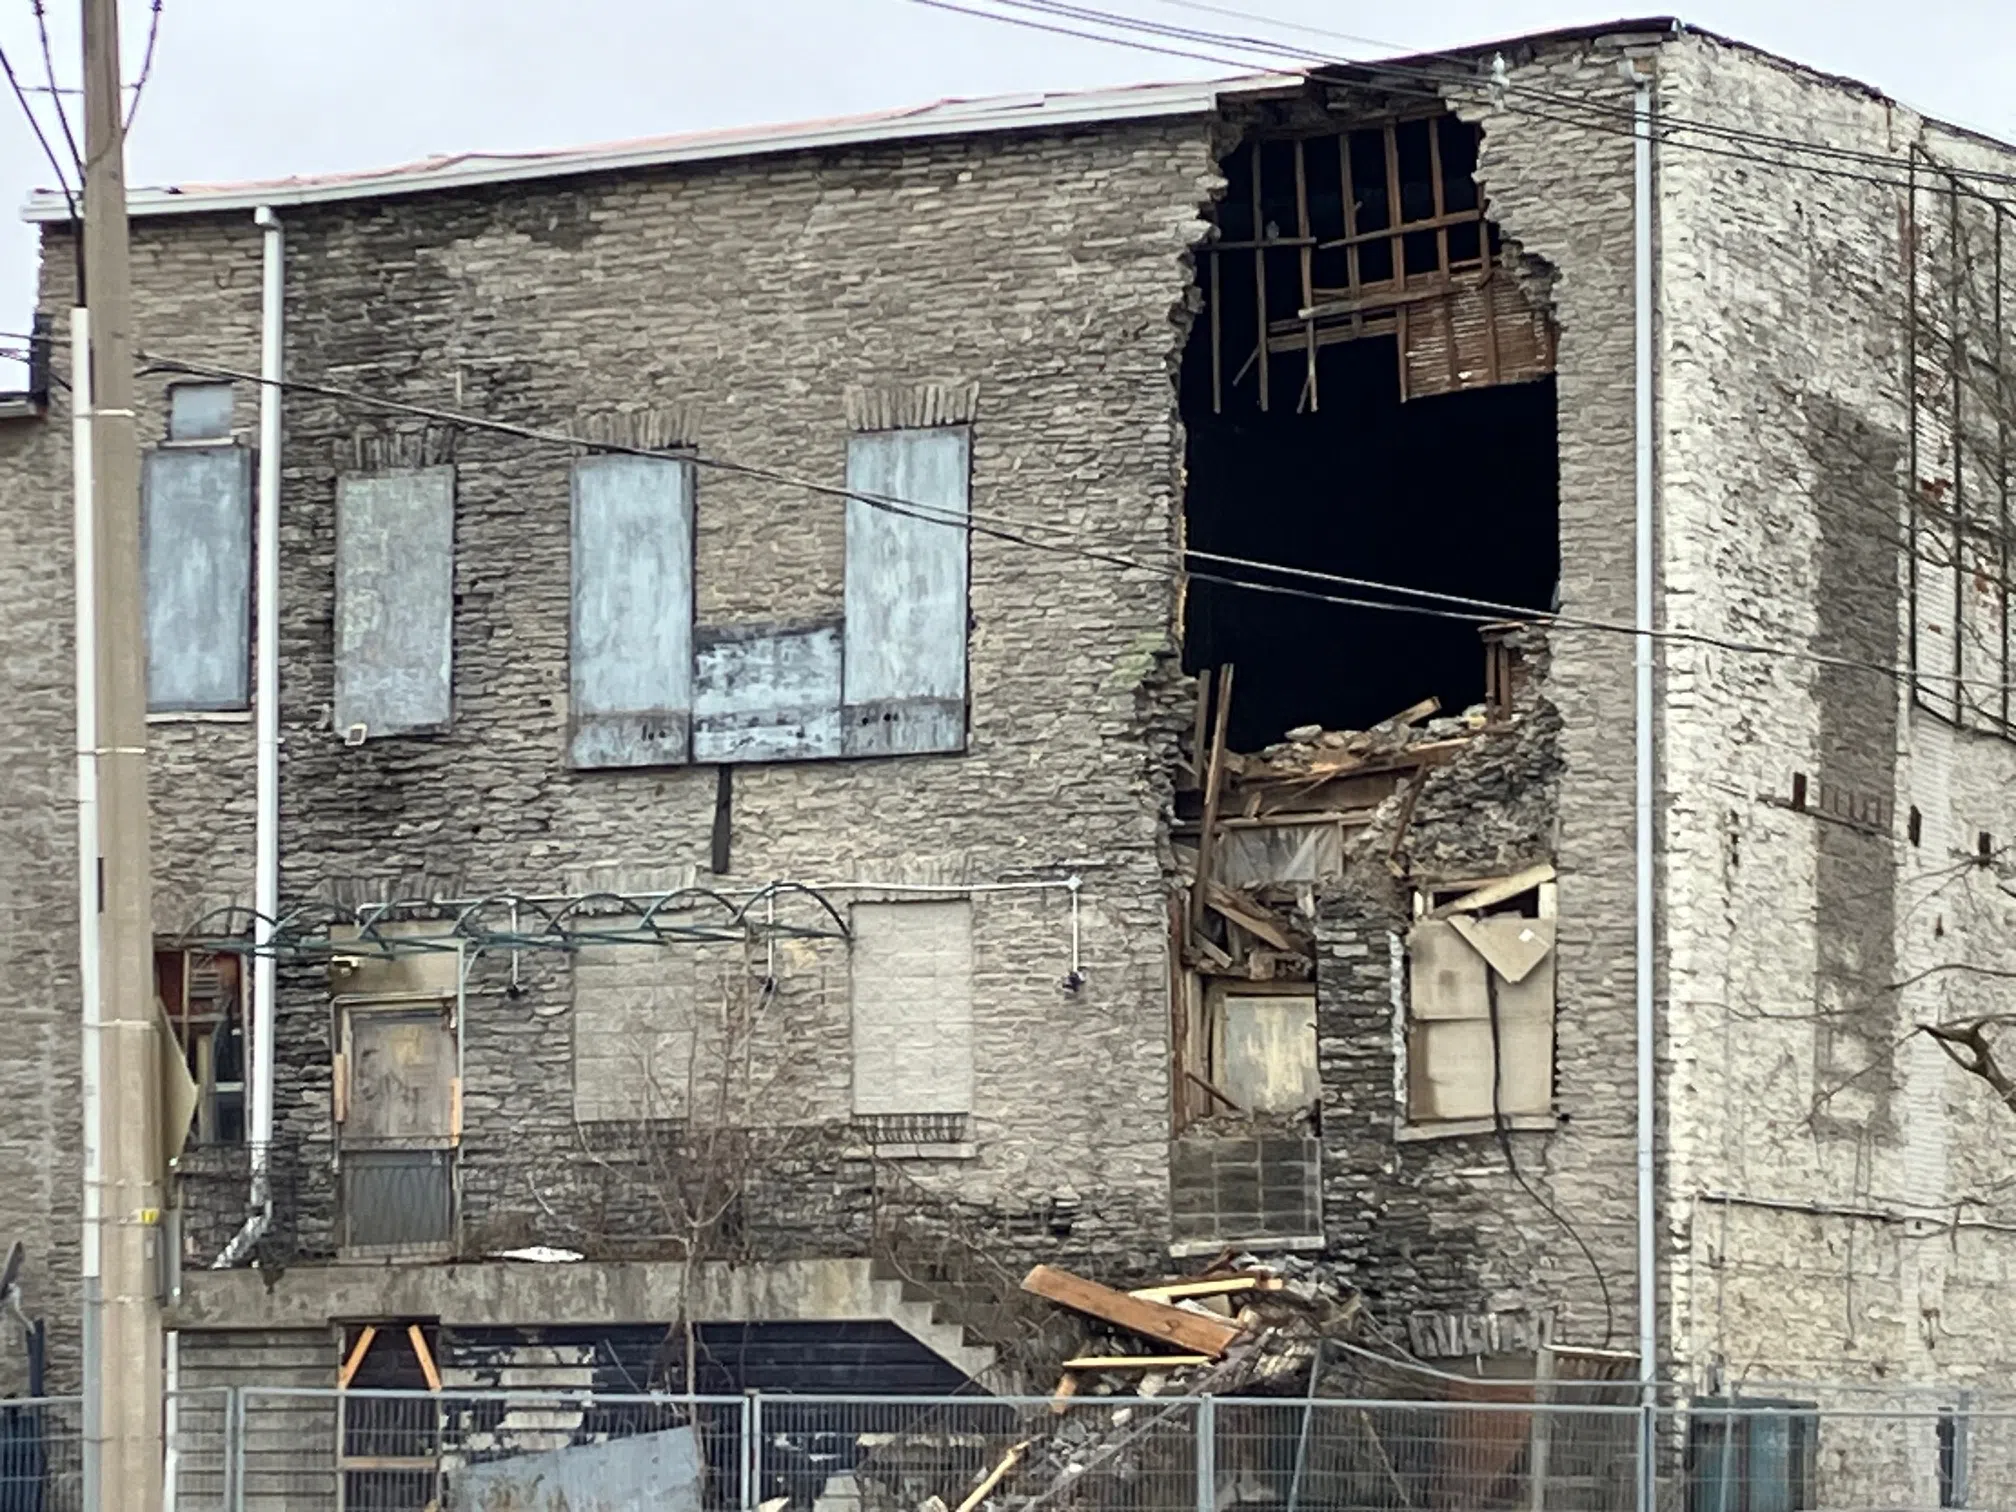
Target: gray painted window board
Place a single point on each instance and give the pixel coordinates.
(196, 550)
(632, 632)
(395, 601)
(904, 674)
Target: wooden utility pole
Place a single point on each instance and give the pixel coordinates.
(128, 1416)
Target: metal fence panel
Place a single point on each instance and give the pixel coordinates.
(42, 1454)
(1494, 1450)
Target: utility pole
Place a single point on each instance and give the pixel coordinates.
(129, 1136)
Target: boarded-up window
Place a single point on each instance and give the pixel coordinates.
(395, 602)
(911, 981)
(633, 612)
(199, 411)
(1266, 1056)
(766, 694)
(636, 1054)
(196, 545)
(1480, 1022)
(905, 665)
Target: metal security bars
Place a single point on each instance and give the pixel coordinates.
(259, 1450)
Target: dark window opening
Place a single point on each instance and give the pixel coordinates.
(1366, 400)
(203, 995)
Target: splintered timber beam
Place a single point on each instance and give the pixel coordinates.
(1195, 1332)
(1215, 1287)
(994, 1478)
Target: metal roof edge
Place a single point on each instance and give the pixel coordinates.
(951, 118)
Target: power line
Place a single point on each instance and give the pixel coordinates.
(1433, 604)
(146, 64)
(1595, 114)
(55, 94)
(35, 125)
(49, 152)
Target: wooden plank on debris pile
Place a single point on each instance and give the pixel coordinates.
(1247, 915)
(1195, 1332)
(1497, 892)
(1135, 1362)
(1217, 1286)
(994, 1478)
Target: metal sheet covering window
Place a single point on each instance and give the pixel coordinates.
(904, 677)
(911, 976)
(632, 643)
(196, 546)
(395, 602)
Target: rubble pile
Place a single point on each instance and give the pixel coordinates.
(1274, 825)
(1238, 1329)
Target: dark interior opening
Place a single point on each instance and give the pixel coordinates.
(1456, 492)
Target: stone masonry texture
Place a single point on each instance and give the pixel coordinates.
(1048, 272)
(1833, 1193)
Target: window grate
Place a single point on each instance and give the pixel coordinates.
(915, 1128)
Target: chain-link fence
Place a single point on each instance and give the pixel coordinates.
(262, 1450)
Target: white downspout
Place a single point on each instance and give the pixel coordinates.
(1647, 540)
(84, 572)
(266, 719)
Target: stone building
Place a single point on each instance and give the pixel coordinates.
(751, 789)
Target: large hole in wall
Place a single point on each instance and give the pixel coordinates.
(1400, 427)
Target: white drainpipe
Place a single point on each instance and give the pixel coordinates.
(87, 884)
(1647, 541)
(266, 719)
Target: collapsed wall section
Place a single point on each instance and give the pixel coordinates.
(1452, 418)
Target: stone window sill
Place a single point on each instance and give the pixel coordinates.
(1523, 1123)
(200, 716)
(1190, 1249)
(962, 1150)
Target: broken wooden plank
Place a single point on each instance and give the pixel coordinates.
(1497, 892)
(1200, 730)
(994, 1478)
(1247, 915)
(1135, 1362)
(1216, 1286)
(1214, 782)
(1212, 955)
(1413, 714)
(1067, 1388)
(1152, 1320)
(1212, 1088)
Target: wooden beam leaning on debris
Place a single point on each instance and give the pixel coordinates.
(994, 1478)
(1216, 1286)
(1246, 914)
(1197, 1333)
(1135, 1362)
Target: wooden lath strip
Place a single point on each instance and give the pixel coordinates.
(355, 1360)
(1308, 271)
(1260, 280)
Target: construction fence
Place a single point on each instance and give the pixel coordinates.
(245, 1449)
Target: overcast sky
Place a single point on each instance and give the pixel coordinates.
(260, 88)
